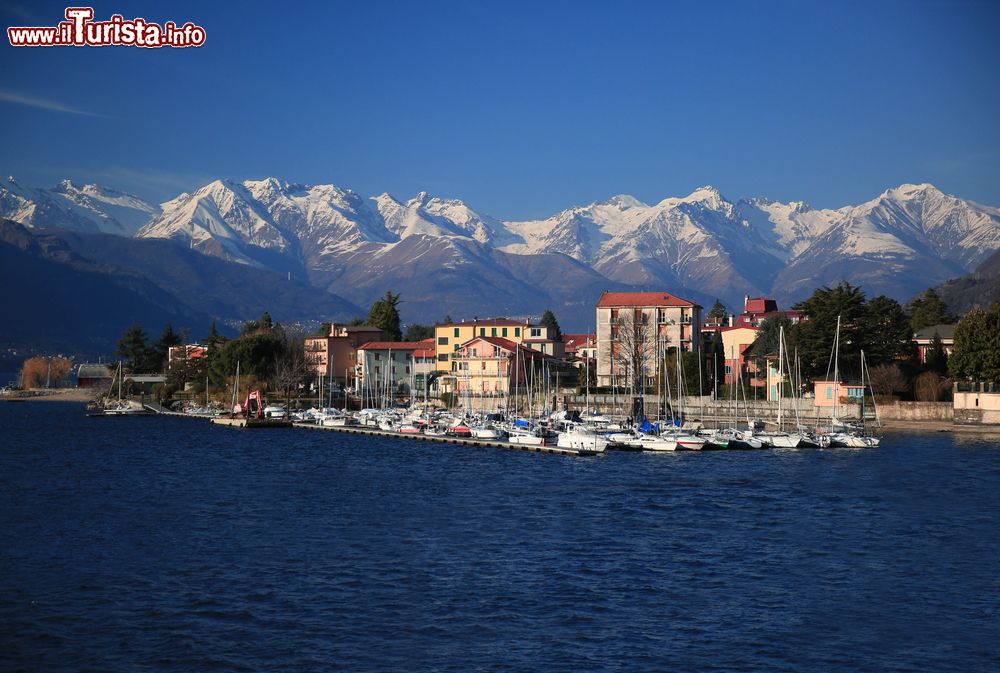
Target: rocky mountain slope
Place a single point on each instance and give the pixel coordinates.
(446, 257)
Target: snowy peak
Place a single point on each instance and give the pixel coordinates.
(90, 208)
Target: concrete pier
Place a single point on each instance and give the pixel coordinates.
(365, 430)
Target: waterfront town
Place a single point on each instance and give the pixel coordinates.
(652, 357)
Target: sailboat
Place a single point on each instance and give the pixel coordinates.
(122, 407)
(781, 439)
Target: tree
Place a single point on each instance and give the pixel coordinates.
(886, 335)
(814, 337)
(256, 353)
(324, 329)
(976, 354)
(290, 367)
(161, 349)
(633, 349)
(937, 359)
(419, 332)
(384, 314)
(717, 312)
(549, 320)
(132, 347)
(931, 387)
(887, 379)
(928, 310)
(263, 323)
(37, 372)
(214, 338)
(766, 342)
(448, 320)
(717, 363)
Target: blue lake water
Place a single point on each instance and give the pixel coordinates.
(158, 544)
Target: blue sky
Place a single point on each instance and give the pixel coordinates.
(521, 109)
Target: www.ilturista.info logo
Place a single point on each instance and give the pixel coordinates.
(80, 30)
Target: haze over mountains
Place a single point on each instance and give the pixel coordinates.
(446, 257)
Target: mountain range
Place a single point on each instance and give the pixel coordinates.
(445, 257)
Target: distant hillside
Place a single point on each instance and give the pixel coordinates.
(222, 289)
(55, 300)
(976, 290)
(77, 293)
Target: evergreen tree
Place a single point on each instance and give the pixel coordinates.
(937, 359)
(161, 349)
(132, 347)
(929, 310)
(419, 332)
(715, 364)
(448, 320)
(814, 337)
(976, 355)
(717, 311)
(549, 320)
(324, 329)
(214, 338)
(384, 314)
(886, 335)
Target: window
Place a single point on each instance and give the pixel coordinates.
(443, 357)
(503, 332)
(378, 356)
(407, 369)
(829, 392)
(496, 351)
(457, 346)
(484, 365)
(517, 331)
(456, 332)
(442, 341)
(482, 331)
(536, 331)
(378, 370)
(729, 369)
(493, 331)
(472, 352)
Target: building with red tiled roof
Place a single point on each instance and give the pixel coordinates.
(387, 368)
(334, 355)
(485, 370)
(634, 329)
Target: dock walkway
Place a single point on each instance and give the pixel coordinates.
(365, 430)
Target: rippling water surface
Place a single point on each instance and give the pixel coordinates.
(157, 544)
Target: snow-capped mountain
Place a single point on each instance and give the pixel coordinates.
(89, 208)
(443, 253)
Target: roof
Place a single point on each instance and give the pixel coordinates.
(642, 299)
(489, 322)
(575, 338)
(91, 371)
(943, 331)
(506, 344)
(391, 345)
(425, 353)
(729, 329)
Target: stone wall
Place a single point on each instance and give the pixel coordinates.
(917, 411)
(707, 409)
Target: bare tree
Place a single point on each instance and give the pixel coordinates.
(290, 368)
(636, 348)
(888, 379)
